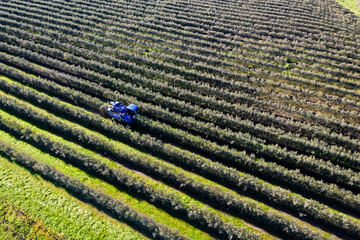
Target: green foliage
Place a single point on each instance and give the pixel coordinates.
(17, 224)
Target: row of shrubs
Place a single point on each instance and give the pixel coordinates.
(68, 19)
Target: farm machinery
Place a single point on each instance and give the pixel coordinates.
(121, 112)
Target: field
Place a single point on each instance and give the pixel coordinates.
(248, 124)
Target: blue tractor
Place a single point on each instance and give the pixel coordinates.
(121, 112)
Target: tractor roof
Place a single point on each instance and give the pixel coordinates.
(132, 107)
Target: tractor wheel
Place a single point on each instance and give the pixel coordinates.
(103, 111)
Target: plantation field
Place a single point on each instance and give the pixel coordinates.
(248, 124)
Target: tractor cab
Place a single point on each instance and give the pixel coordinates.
(122, 112)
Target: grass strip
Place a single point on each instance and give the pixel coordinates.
(56, 208)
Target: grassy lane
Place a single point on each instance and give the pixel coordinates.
(16, 224)
(56, 208)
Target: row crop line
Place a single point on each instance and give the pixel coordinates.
(120, 182)
(202, 88)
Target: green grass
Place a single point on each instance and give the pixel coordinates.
(352, 5)
(17, 224)
(56, 209)
(5, 235)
